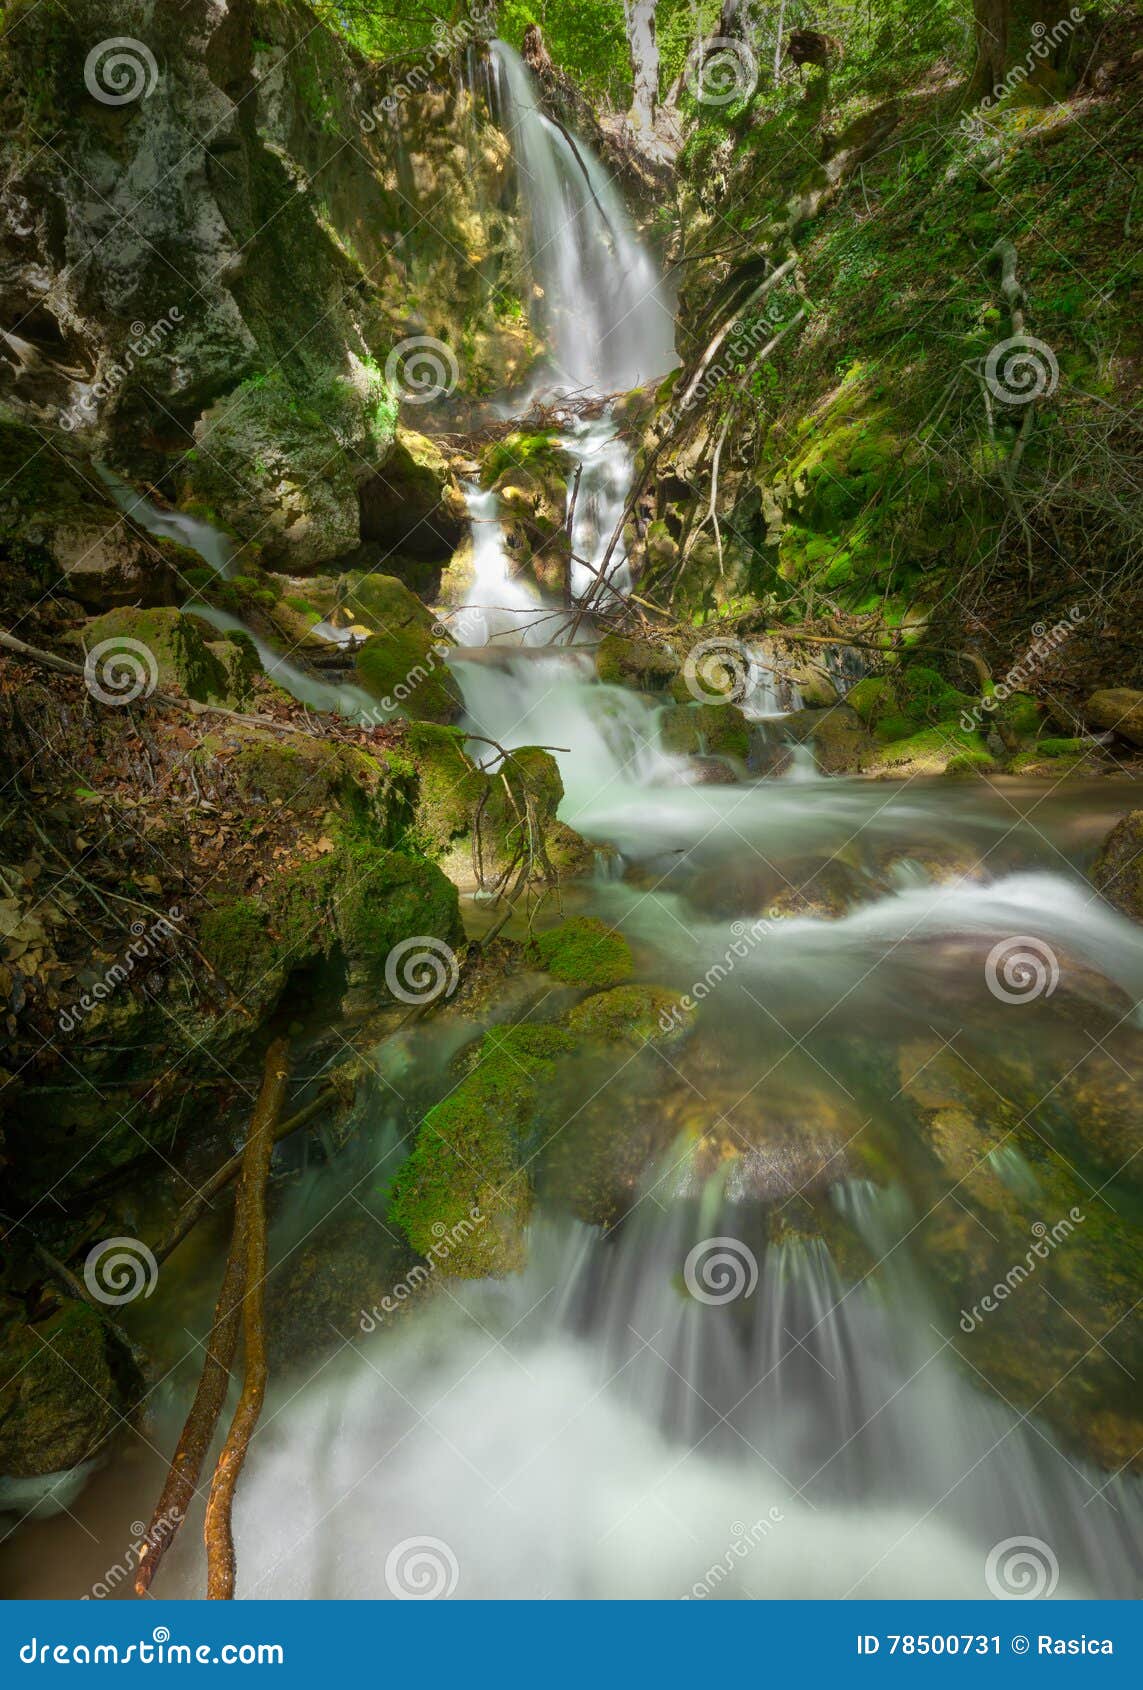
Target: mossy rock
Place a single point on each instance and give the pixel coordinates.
(841, 742)
(464, 1181)
(358, 901)
(1117, 872)
(404, 669)
(180, 660)
(584, 951)
(412, 504)
(621, 662)
(968, 763)
(712, 730)
(634, 1015)
(1117, 710)
(65, 1385)
(383, 602)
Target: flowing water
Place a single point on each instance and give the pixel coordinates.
(743, 1381)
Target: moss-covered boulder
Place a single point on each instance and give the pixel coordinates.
(1117, 872)
(404, 665)
(165, 649)
(631, 1015)
(412, 503)
(584, 951)
(622, 662)
(481, 826)
(712, 730)
(530, 473)
(1117, 710)
(464, 1182)
(841, 742)
(65, 1385)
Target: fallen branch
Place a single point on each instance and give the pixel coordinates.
(250, 1221)
(199, 1426)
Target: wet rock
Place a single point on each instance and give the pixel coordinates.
(825, 890)
(634, 663)
(65, 1383)
(707, 771)
(841, 742)
(1118, 870)
(712, 730)
(1117, 710)
(404, 666)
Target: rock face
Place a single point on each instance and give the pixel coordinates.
(1118, 870)
(213, 271)
(1118, 710)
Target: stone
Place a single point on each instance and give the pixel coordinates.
(1117, 872)
(1117, 710)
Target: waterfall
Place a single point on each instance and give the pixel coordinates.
(600, 305)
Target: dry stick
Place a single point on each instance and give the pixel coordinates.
(250, 1218)
(199, 1427)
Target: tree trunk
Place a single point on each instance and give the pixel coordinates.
(640, 19)
(1008, 32)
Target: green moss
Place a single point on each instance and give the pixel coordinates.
(182, 661)
(464, 1180)
(632, 1015)
(716, 730)
(970, 763)
(583, 951)
(622, 662)
(404, 669)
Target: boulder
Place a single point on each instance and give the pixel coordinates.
(412, 504)
(621, 662)
(1117, 872)
(841, 742)
(1117, 710)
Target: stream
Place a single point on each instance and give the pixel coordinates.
(802, 1427)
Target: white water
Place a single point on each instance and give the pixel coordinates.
(214, 548)
(342, 700)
